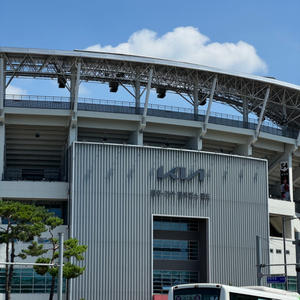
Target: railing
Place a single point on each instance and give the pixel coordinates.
(33, 175)
(164, 111)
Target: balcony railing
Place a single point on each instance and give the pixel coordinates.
(18, 174)
(163, 111)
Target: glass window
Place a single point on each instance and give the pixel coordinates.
(164, 280)
(234, 296)
(292, 284)
(175, 224)
(175, 250)
(197, 294)
(57, 209)
(186, 248)
(27, 281)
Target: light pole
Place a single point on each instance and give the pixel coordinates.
(60, 269)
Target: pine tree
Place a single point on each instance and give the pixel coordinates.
(24, 223)
(71, 249)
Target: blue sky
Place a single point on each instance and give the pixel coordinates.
(268, 29)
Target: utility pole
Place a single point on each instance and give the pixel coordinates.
(60, 268)
(258, 258)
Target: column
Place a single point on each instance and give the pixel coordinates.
(2, 119)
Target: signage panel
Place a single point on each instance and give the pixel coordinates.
(285, 182)
(276, 279)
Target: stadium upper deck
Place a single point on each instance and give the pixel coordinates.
(277, 100)
(69, 119)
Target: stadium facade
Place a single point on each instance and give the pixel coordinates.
(160, 195)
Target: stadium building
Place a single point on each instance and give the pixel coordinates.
(161, 195)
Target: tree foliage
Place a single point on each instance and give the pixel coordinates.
(72, 249)
(24, 223)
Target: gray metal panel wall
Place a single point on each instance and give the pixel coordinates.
(113, 209)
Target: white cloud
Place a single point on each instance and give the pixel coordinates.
(189, 45)
(14, 90)
(83, 90)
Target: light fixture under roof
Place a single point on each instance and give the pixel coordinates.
(113, 86)
(161, 93)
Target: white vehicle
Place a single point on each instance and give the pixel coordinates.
(206, 291)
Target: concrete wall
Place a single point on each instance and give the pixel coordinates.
(33, 190)
(278, 258)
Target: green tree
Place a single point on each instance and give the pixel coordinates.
(24, 223)
(71, 249)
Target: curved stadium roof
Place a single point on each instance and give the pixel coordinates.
(282, 107)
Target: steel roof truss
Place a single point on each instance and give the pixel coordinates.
(16, 71)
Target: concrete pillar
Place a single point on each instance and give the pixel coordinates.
(136, 138)
(2, 119)
(2, 150)
(73, 133)
(290, 160)
(195, 143)
(2, 84)
(245, 149)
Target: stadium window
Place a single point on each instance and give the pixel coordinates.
(28, 281)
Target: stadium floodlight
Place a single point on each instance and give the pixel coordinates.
(161, 93)
(61, 82)
(113, 86)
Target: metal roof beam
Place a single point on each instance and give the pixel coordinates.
(143, 122)
(174, 76)
(262, 113)
(196, 96)
(212, 91)
(73, 131)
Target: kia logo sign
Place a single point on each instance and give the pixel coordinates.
(180, 173)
